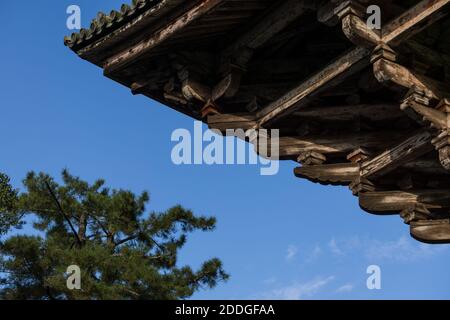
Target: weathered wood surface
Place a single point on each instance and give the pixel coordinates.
(343, 66)
(392, 202)
(375, 112)
(431, 231)
(132, 54)
(410, 149)
(271, 24)
(333, 174)
(413, 21)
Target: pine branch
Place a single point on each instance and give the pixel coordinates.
(63, 214)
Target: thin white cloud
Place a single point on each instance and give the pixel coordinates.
(345, 288)
(403, 249)
(291, 252)
(334, 247)
(299, 291)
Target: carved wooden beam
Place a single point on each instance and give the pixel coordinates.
(410, 149)
(311, 158)
(194, 90)
(392, 202)
(342, 67)
(329, 174)
(130, 55)
(229, 85)
(417, 102)
(387, 71)
(431, 231)
(442, 144)
(413, 21)
(439, 118)
(291, 147)
(352, 14)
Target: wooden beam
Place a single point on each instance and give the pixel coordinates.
(342, 67)
(406, 25)
(336, 145)
(442, 144)
(394, 31)
(329, 174)
(387, 71)
(410, 149)
(237, 55)
(132, 54)
(420, 104)
(291, 146)
(392, 202)
(376, 112)
(278, 19)
(223, 122)
(413, 21)
(431, 231)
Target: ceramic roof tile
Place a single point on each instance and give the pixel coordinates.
(106, 23)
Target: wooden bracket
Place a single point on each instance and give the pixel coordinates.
(417, 106)
(442, 144)
(388, 72)
(229, 85)
(310, 158)
(415, 212)
(329, 174)
(209, 109)
(359, 155)
(351, 14)
(361, 185)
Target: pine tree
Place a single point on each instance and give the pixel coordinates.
(122, 251)
(9, 215)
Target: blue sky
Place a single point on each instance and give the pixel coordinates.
(278, 236)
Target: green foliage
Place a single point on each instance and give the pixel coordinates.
(123, 253)
(9, 214)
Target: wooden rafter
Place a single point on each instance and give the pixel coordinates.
(410, 149)
(135, 52)
(413, 21)
(277, 20)
(342, 67)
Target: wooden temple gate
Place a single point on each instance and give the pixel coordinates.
(355, 106)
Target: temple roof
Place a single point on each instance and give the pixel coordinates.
(364, 108)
